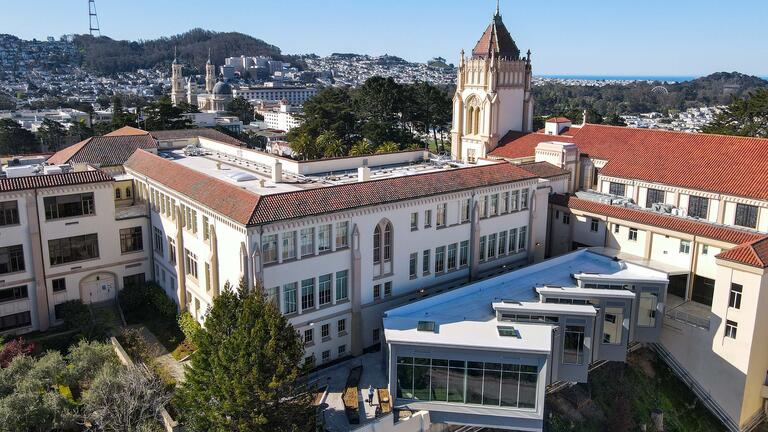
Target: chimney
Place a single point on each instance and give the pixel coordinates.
(364, 173)
(277, 172)
(584, 118)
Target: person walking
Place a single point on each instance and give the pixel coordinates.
(370, 395)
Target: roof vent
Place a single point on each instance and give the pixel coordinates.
(508, 331)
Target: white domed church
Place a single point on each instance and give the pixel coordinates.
(217, 95)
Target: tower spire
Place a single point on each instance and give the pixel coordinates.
(209, 56)
(174, 54)
(497, 8)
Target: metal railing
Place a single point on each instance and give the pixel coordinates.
(688, 318)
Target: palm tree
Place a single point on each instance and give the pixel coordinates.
(330, 144)
(303, 146)
(361, 148)
(387, 147)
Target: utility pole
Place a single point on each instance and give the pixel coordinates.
(93, 19)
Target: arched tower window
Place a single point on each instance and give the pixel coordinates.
(388, 242)
(476, 127)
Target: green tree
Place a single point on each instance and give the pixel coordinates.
(330, 145)
(614, 120)
(304, 147)
(387, 147)
(747, 116)
(162, 115)
(241, 108)
(330, 110)
(80, 131)
(361, 148)
(186, 107)
(14, 139)
(51, 134)
(243, 377)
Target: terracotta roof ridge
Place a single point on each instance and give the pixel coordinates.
(674, 132)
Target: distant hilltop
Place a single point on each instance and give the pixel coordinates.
(106, 56)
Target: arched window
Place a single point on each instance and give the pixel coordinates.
(470, 116)
(388, 242)
(377, 245)
(476, 128)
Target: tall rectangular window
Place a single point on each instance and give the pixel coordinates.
(746, 216)
(158, 241)
(65, 206)
(341, 326)
(71, 249)
(482, 248)
(206, 228)
(12, 259)
(273, 296)
(289, 298)
(734, 298)
(190, 263)
(308, 294)
(464, 253)
(289, 245)
(502, 243)
(427, 218)
(483, 206)
(440, 259)
(131, 240)
(494, 205)
(414, 221)
(324, 238)
(425, 264)
(513, 240)
(573, 344)
(342, 234)
(441, 215)
(465, 209)
(324, 289)
(632, 236)
(307, 241)
(171, 250)
(413, 264)
(522, 242)
(269, 248)
(504, 202)
(342, 290)
(698, 207)
(9, 213)
(685, 247)
(452, 249)
(514, 201)
(594, 224)
(654, 196)
(616, 188)
(524, 199)
(491, 246)
(613, 321)
(730, 329)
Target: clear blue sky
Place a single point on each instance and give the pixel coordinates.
(651, 37)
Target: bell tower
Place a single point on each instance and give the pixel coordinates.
(210, 74)
(493, 94)
(177, 81)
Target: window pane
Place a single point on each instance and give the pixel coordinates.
(527, 397)
(491, 387)
(456, 383)
(405, 381)
(509, 384)
(474, 386)
(421, 382)
(439, 383)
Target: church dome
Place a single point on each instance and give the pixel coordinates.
(222, 88)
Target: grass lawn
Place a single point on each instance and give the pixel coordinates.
(620, 397)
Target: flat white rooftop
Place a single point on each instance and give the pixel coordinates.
(465, 317)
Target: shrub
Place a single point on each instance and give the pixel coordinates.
(14, 348)
(138, 297)
(75, 314)
(189, 326)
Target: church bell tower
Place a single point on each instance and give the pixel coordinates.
(210, 74)
(493, 94)
(177, 81)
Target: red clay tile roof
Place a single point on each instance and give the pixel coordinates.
(647, 217)
(558, 120)
(229, 200)
(127, 130)
(103, 150)
(753, 254)
(496, 38)
(291, 205)
(714, 163)
(515, 145)
(211, 134)
(53, 180)
(544, 169)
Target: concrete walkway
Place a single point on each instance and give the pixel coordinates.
(336, 377)
(162, 356)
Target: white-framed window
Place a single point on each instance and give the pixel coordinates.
(494, 205)
(513, 240)
(524, 199)
(566, 218)
(324, 289)
(425, 262)
(309, 336)
(502, 243)
(734, 297)
(342, 350)
(387, 289)
(427, 218)
(464, 253)
(414, 221)
(190, 263)
(632, 236)
(440, 259)
(685, 247)
(482, 248)
(325, 331)
(730, 329)
(522, 242)
(307, 241)
(441, 215)
(465, 209)
(269, 248)
(158, 238)
(342, 287)
(413, 264)
(325, 356)
(616, 228)
(289, 245)
(504, 202)
(290, 305)
(324, 238)
(341, 326)
(514, 201)
(342, 234)
(307, 294)
(376, 291)
(452, 249)
(594, 224)
(491, 254)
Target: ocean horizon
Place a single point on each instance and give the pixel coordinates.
(664, 78)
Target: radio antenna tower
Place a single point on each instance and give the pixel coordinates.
(93, 19)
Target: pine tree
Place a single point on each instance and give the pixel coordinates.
(243, 377)
(744, 117)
